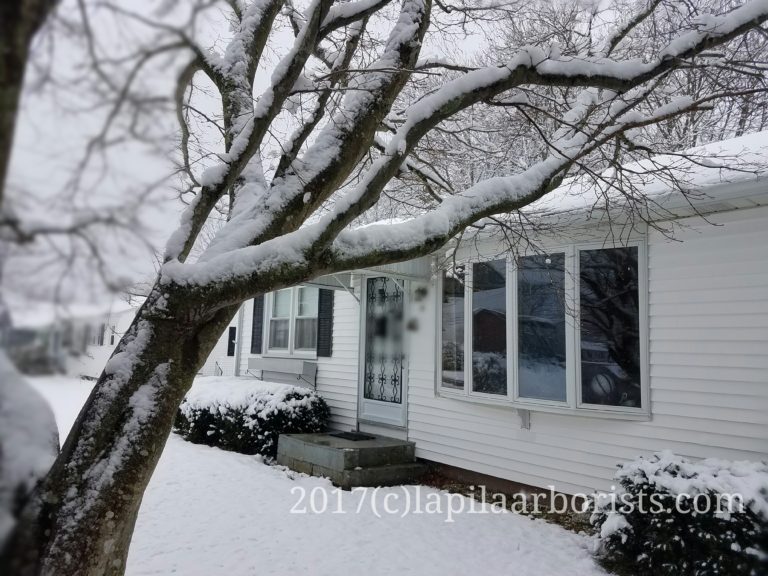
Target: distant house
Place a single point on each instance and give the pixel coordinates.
(76, 340)
(549, 367)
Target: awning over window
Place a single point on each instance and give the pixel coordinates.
(418, 269)
(339, 281)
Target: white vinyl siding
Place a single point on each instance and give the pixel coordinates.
(708, 316)
(337, 374)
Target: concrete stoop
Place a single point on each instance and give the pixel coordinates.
(347, 462)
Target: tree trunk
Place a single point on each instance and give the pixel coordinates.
(80, 519)
(19, 21)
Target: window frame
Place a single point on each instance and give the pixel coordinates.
(291, 351)
(643, 325)
(573, 404)
(570, 326)
(469, 328)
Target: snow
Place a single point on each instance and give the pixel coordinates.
(28, 440)
(349, 10)
(748, 479)
(256, 397)
(214, 175)
(614, 522)
(207, 511)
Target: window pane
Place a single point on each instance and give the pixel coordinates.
(453, 330)
(306, 334)
(610, 327)
(489, 327)
(278, 334)
(308, 302)
(281, 304)
(541, 327)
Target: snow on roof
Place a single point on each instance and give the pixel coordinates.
(666, 179)
(699, 172)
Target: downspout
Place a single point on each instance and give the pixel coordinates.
(239, 340)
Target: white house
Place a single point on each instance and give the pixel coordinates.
(73, 339)
(549, 367)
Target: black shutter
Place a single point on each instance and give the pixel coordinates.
(231, 341)
(257, 327)
(325, 323)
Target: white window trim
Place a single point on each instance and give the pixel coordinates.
(291, 351)
(573, 404)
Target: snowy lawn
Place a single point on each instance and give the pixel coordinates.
(209, 512)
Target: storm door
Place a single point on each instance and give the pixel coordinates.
(383, 351)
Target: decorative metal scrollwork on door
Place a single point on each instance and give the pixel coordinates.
(383, 370)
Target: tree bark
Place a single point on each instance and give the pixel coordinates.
(19, 21)
(79, 520)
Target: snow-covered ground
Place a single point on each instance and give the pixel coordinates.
(209, 512)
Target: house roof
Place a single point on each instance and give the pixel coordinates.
(44, 314)
(715, 177)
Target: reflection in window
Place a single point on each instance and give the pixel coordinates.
(489, 333)
(453, 330)
(306, 319)
(541, 327)
(279, 323)
(609, 327)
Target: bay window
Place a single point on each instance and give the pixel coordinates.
(292, 321)
(561, 331)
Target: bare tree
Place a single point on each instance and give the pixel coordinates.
(341, 111)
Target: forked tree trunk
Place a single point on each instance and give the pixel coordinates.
(80, 519)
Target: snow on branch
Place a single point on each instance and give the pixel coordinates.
(337, 149)
(613, 87)
(248, 129)
(345, 14)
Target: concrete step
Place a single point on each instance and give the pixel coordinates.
(343, 454)
(371, 461)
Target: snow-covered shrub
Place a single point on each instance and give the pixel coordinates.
(671, 516)
(246, 415)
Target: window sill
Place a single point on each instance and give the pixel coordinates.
(288, 355)
(635, 416)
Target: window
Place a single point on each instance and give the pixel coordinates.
(609, 327)
(452, 327)
(541, 367)
(231, 340)
(562, 331)
(306, 319)
(280, 322)
(489, 332)
(292, 327)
